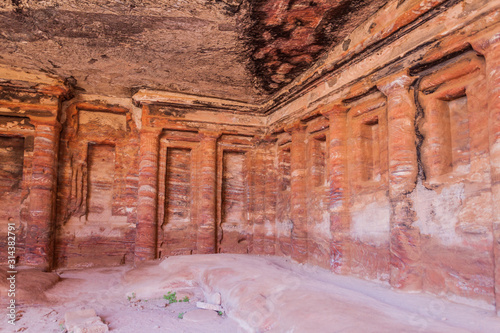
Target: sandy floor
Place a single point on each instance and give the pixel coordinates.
(258, 294)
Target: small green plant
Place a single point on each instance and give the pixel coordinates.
(61, 327)
(185, 299)
(131, 297)
(220, 313)
(181, 315)
(171, 297)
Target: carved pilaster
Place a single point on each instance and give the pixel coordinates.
(488, 44)
(298, 191)
(206, 237)
(39, 240)
(146, 237)
(338, 195)
(405, 247)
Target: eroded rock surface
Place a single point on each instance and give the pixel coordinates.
(381, 160)
(114, 48)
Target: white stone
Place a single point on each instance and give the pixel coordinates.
(84, 321)
(208, 306)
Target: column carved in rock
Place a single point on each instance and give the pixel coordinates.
(146, 236)
(488, 45)
(264, 189)
(405, 247)
(271, 191)
(206, 236)
(298, 186)
(338, 205)
(39, 240)
(259, 193)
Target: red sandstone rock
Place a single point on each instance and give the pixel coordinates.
(400, 184)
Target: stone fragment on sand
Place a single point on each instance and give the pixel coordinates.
(208, 306)
(84, 321)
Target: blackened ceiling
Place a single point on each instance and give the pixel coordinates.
(287, 36)
(234, 49)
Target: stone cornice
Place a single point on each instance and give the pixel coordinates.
(193, 102)
(16, 80)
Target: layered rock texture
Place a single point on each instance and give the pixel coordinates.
(363, 138)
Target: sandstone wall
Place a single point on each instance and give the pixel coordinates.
(98, 182)
(29, 140)
(382, 161)
(411, 160)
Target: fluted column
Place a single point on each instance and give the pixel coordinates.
(489, 45)
(39, 239)
(146, 236)
(405, 247)
(338, 205)
(206, 237)
(298, 191)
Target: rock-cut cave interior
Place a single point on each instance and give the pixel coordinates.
(249, 166)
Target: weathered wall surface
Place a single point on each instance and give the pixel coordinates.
(368, 184)
(177, 213)
(318, 219)
(200, 189)
(454, 203)
(235, 232)
(97, 185)
(412, 138)
(29, 139)
(13, 189)
(381, 161)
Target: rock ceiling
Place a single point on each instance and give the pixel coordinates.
(234, 49)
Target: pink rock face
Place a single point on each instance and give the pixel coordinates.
(382, 160)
